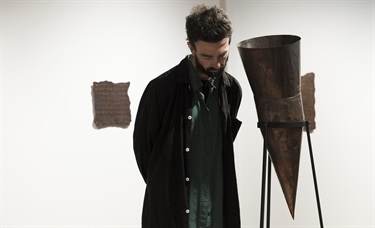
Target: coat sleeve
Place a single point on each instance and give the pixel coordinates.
(235, 100)
(146, 128)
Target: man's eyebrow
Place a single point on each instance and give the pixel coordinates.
(207, 55)
(224, 53)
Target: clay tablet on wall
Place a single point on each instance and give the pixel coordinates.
(308, 98)
(111, 104)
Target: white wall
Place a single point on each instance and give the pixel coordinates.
(57, 170)
(337, 44)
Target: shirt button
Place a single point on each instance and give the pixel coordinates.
(187, 149)
(190, 117)
(187, 211)
(187, 179)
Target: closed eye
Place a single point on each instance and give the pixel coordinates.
(207, 57)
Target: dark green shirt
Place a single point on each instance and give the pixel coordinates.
(205, 164)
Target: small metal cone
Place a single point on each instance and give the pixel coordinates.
(284, 146)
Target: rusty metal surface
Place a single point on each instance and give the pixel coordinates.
(308, 98)
(272, 66)
(111, 104)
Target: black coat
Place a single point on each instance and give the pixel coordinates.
(161, 140)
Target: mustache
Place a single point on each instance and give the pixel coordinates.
(214, 69)
(213, 72)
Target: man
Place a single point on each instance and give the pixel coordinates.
(184, 132)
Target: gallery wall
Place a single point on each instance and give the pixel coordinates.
(57, 170)
(337, 45)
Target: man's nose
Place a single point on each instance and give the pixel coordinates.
(217, 64)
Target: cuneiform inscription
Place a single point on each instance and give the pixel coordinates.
(111, 104)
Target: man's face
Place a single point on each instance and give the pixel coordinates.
(210, 58)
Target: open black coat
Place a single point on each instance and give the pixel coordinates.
(162, 139)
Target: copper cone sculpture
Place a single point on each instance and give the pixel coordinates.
(272, 66)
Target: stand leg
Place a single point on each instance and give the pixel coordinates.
(269, 193)
(314, 175)
(263, 177)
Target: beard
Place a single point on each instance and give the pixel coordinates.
(210, 72)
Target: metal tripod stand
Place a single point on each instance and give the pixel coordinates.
(267, 125)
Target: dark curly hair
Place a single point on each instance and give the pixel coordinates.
(207, 23)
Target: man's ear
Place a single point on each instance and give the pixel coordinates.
(192, 50)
